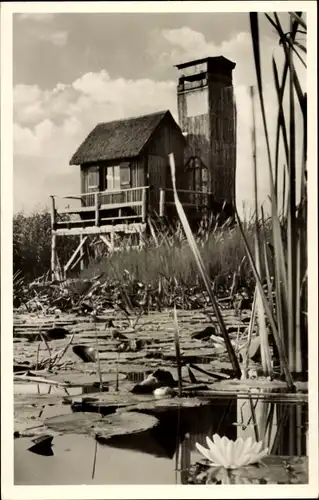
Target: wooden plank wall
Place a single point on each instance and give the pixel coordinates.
(138, 177)
(207, 114)
(194, 119)
(166, 140)
(157, 167)
(223, 141)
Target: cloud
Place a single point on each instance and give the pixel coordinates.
(51, 124)
(93, 97)
(47, 140)
(175, 46)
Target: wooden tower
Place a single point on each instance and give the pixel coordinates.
(207, 118)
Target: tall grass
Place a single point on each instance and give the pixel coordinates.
(286, 316)
(32, 245)
(166, 266)
(221, 250)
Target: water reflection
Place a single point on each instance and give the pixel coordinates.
(44, 388)
(164, 454)
(282, 428)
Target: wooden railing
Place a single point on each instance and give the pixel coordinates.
(96, 208)
(98, 203)
(187, 197)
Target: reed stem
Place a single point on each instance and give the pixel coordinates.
(178, 355)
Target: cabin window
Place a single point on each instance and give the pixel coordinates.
(92, 175)
(112, 177)
(125, 174)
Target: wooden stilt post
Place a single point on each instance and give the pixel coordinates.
(53, 238)
(53, 212)
(97, 208)
(112, 240)
(141, 239)
(53, 256)
(82, 251)
(143, 205)
(162, 202)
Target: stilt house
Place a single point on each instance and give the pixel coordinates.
(124, 166)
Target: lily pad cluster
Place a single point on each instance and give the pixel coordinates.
(94, 424)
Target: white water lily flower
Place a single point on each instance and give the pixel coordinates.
(232, 454)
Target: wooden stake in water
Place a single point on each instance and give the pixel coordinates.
(117, 372)
(178, 355)
(253, 415)
(98, 365)
(101, 385)
(250, 332)
(37, 362)
(94, 459)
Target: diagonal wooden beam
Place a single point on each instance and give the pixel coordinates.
(107, 243)
(79, 259)
(67, 265)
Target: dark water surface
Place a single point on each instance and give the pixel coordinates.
(163, 454)
(43, 388)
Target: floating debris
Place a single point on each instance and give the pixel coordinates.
(159, 378)
(204, 334)
(56, 333)
(23, 367)
(164, 392)
(43, 445)
(191, 375)
(87, 354)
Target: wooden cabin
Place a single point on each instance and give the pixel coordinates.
(124, 164)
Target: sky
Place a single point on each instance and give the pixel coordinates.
(72, 71)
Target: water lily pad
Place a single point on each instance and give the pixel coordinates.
(103, 427)
(78, 378)
(158, 406)
(272, 470)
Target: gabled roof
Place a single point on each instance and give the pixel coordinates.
(212, 62)
(119, 138)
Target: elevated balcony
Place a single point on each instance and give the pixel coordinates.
(123, 210)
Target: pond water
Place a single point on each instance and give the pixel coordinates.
(164, 454)
(43, 388)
